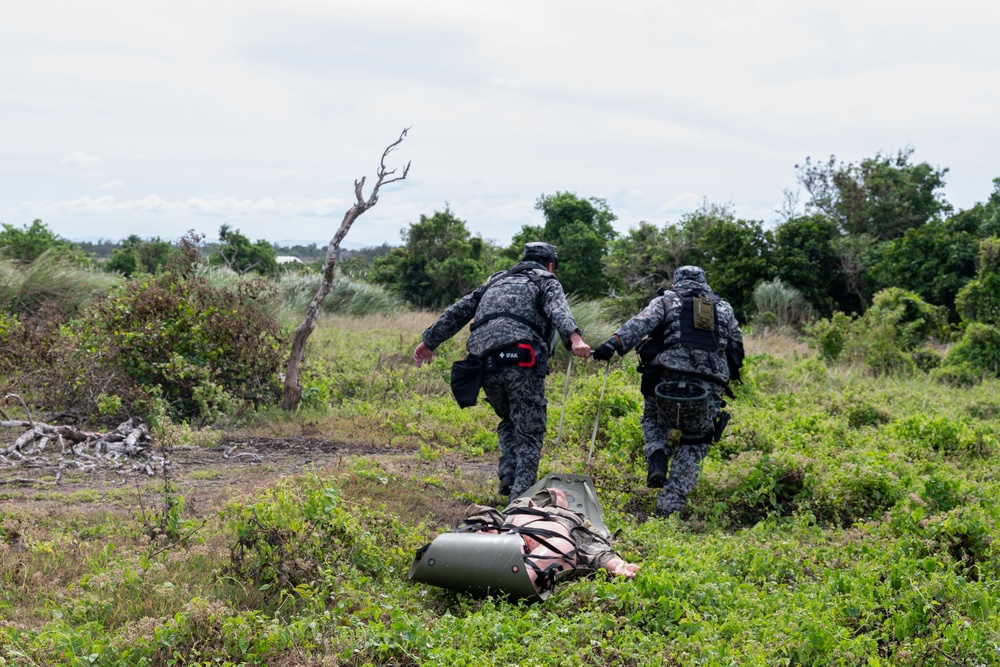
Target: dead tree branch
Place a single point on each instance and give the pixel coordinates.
(292, 388)
(19, 400)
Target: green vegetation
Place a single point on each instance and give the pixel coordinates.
(32, 241)
(847, 518)
(237, 253)
(438, 262)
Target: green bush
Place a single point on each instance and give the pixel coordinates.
(204, 351)
(829, 335)
(886, 338)
(173, 345)
(914, 319)
(779, 305)
(957, 375)
(303, 534)
(976, 356)
(979, 300)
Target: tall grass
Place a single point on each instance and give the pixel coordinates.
(52, 279)
(294, 291)
(346, 297)
(779, 305)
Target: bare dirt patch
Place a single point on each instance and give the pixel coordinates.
(208, 477)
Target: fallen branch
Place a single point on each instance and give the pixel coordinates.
(24, 480)
(83, 449)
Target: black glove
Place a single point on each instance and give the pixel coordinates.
(605, 350)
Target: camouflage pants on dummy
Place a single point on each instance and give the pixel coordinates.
(518, 398)
(684, 457)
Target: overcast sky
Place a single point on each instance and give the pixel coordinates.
(154, 118)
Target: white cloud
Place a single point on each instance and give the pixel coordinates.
(193, 206)
(270, 107)
(78, 159)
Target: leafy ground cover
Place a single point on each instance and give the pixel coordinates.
(845, 519)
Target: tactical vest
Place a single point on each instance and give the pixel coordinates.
(698, 325)
(699, 328)
(531, 290)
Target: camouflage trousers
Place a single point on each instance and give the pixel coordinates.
(518, 398)
(684, 458)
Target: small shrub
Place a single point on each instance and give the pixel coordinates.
(779, 305)
(914, 319)
(927, 359)
(941, 434)
(829, 335)
(206, 351)
(979, 299)
(957, 375)
(977, 354)
(752, 487)
(942, 492)
(865, 414)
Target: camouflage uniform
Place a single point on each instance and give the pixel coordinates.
(523, 305)
(679, 361)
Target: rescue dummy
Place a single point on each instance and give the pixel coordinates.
(551, 532)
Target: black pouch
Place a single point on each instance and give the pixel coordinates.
(651, 376)
(466, 380)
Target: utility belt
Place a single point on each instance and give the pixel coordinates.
(651, 376)
(467, 374)
(524, 355)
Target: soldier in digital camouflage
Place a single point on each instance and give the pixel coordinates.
(516, 316)
(686, 335)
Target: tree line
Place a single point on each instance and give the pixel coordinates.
(864, 227)
(867, 226)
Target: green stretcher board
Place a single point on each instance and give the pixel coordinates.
(487, 564)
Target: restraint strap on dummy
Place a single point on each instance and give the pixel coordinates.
(491, 523)
(545, 576)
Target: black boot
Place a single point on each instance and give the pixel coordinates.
(505, 484)
(656, 469)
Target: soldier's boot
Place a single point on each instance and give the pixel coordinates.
(656, 469)
(506, 482)
(668, 503)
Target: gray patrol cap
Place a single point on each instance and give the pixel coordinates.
(694, 273)
(540, 252)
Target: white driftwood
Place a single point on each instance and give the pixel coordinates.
(83, 449)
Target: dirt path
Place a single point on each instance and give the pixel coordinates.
(210, 477)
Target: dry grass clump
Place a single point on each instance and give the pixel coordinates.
(777, 344)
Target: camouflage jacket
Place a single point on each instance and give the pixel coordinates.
(676, 355)
(524, 304)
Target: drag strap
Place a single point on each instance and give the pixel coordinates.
(542, 536)
(482, 524)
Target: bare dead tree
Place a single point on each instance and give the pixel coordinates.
(293, 390)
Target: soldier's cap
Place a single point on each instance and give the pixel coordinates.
(540, 252)
(694, 273)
